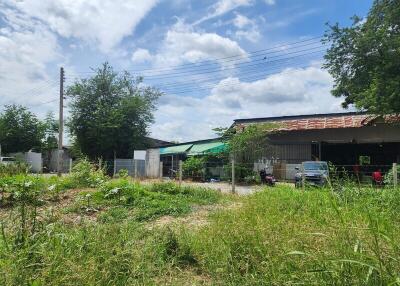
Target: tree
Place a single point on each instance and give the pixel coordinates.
(50, 126)
(364, 59)
(20, 130)
(110, 112)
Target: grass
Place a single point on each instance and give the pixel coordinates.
(280, 236)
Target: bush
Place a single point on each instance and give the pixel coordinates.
(86, 174)
(123, 174)
(14, 168)
(193, 168)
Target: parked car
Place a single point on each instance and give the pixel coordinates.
(7, 160)
(314, 173)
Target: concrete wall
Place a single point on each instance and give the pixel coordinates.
(153, 163)
(33, 159)
(53, 165)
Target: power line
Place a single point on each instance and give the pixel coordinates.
(246, 67)
(211, 61)
(192, 80)
(230, 83)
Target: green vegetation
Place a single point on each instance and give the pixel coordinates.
(110, 113)
(194, 168)
(109, 235)
(21, 130)
(364, 59)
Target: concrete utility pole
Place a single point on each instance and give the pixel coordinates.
(61, 124)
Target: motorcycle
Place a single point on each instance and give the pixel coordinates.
(267, 178)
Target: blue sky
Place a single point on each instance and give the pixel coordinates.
(214, 60)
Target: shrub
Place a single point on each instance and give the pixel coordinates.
(123, 173)
(13, 169)
(86, 174)
(193, 168)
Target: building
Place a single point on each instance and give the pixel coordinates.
(341, 138)
(172, 154)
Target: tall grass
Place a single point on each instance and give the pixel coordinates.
(287, 237)
(280, 236)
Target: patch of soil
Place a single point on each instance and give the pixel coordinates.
(197, 218)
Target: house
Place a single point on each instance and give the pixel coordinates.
(344, 139)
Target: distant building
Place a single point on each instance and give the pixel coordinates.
(340, 138)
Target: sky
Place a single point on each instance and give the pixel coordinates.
(214, 61)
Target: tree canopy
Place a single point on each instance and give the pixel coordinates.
(110, 112)
(20, 130)
(364, 59)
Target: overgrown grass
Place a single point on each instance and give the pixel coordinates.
(280, 236)
(287, 237)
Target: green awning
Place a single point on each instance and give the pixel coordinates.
(175, 149)
(206, 148)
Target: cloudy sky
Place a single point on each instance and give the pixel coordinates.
(215, 61)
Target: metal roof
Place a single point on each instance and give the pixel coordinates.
(175, 149)
(317, 121)
(206, 148)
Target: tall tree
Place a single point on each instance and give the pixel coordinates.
(20, 130)
(364, 59)
(50, 126)
(110, 112)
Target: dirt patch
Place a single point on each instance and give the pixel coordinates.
(197, 218)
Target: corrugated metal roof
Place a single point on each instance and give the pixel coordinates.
(342, 120)
(204, 148)
(175, 149)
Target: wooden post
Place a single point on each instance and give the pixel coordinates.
(70, 165)
(395, 175)
(180, 172)
(233, 174)
(303, 178)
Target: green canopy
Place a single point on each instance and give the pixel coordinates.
(175, 149)
(205, 148)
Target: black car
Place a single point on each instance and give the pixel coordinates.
(314, 173)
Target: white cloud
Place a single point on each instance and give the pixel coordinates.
(241, 21)
(26, 47)
(223, 7)
(248, 29)
(100, 22)
(293, 91)
(183, 44)
(270, 2)
(141, 56)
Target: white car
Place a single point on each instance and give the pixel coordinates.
(7, 160)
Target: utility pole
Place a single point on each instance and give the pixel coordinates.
(61, 124)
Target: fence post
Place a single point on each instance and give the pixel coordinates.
(395, 175)
(303, 178)
(135, 168)
(70, 165)
(180, 173)
(233, 174)
(161, 170)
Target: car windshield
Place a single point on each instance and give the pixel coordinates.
(7, 159)
(315, 166)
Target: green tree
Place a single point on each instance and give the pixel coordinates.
(50, 126)
(364, 59)
(110, 112)
(20, 130)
